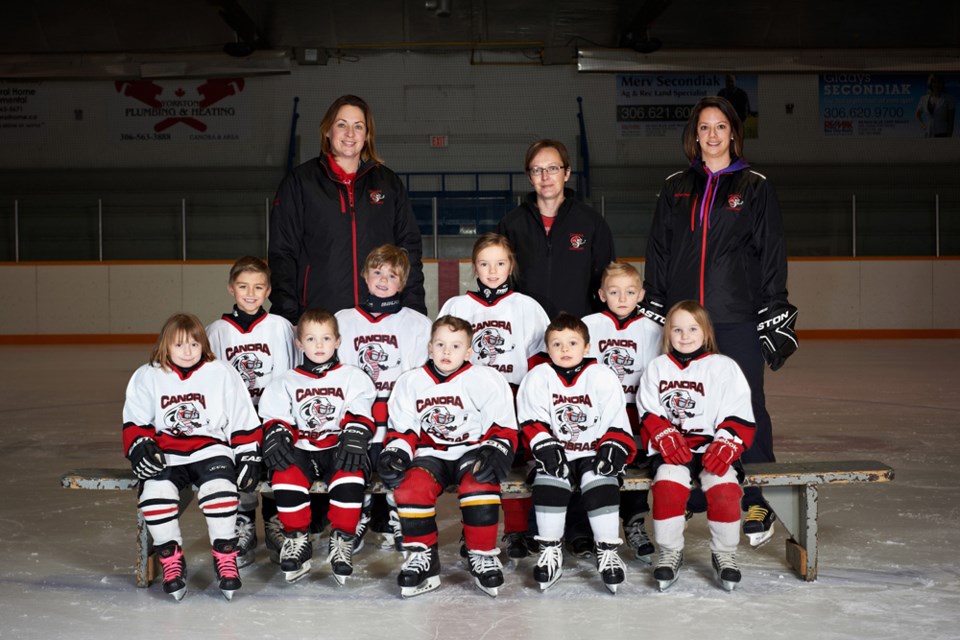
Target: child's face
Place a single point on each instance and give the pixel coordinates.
(382, 281)
(493, 266)
(318, 341)
(686, 336)
(449, 349)
(566, 348)
(621, 294)
(185, 351)
(250, 290)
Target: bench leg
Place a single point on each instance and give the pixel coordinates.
(144, 557)
(796, 509)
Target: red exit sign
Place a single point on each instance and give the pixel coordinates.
(438, 142)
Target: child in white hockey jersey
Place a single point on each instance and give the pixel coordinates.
(451, 423)
(384, 339)
(573, 419)
(259, 346)
(697, 420)
(625, 341)
(508, 329)
(317, 425)
(188, 420)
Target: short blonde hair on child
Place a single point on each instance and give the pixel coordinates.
(248, 264)
(392, 256)
(454, 324)
(493, 239)
(180, 324)
(615, 269)
(320, 316)
(701, 317)
(565, 321)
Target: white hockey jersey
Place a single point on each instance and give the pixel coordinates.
(317, 407)
(625, 347)
(448, 417)
(265, 350)
(579, 414)
(208, 413)
(706, 397)
(506, 333)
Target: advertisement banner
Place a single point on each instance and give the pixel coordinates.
(658, 104)
(181, 110)
(905, 105)
(23, 112)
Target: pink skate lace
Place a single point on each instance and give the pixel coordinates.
(172, 565)
(226, 564)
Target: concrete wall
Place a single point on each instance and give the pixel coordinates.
(119, 298)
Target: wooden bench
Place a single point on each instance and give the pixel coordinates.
(791, 488)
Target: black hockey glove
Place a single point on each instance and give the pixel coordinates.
(778, 339)
(352, 449)
(278, 448)
(146, 459)
(248, 470)
(550, 458)
(610, 459)
(653, 309)
(494, 459)
(392, 465)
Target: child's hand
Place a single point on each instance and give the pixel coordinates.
(551, 458)
(248, 470)
(720, 454)
(611, 459)
(494, 458)
(672, 445)
(392, 465)
(278, 448)
(146, 459)
(352, 449)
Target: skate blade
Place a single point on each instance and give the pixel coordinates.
(178, 594)
(341, 580)
(293, 576)
(728, 585)
(490, 591)
(247, 559)
(546, 585)
(612, 588)
(666, 584)
(427, 585)
(645, 558)
(228, 593)
(757, 540)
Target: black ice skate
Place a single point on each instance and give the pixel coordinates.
(758, 524)
(550, 563)
(393, 539)
(364, 525)
(225, 564)
(273, 532)
(668, 567)
(246, 533)
(516, 545)
(340, 555)
(610, 566)
(725, 566)
(486, 570)
(421, 571)
(295, 555)
(638, 540)
(174, 570)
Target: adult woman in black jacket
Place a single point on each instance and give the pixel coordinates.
(331, 211)
(717, 238)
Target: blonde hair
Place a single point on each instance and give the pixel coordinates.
(319, 316)
(392, 256)
(700, 316)
(615, 269)
(178, 324)
(492, 239)
(369, 151)
(248, 264)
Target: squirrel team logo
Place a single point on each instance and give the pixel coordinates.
(438, 422)
(571, 421)
(372, 359)
(577, 241)
(183, 419)
(488, 344)
(316, 413)
(680, 406)
(618, 359)
(735, 201)
(248, 365)
(377, 196)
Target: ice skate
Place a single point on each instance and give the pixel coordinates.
(364, 525)
(295, 555)
(340, 555)
(225, 563)
(273, 532)
(668, 567)
(550, 563)
(582, 547)
(725, 566)
(758, 524)
(486, 570)
(246, 533)
(638, 540)
(610, 566)
(174, 570)
(421, 571)
(393, 539)
(516, 545)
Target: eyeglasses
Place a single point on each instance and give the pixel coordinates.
(552, 170)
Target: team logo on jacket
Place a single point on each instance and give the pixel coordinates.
(679, 405)
(571, 422)
(316, 413)
(183, 419)
(577, 241)
(440, 424)
(618, 359)
(735, 201)
(488, 344)
(372, 359)
(377, 196)
(248, 365)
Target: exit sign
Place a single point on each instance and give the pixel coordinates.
(438, 142)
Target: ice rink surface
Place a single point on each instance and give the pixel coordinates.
(889, 553)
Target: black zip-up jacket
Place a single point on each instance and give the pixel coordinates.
(562, 270)
(320, 237)
(717, 238)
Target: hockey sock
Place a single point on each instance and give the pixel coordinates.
(346, 500)
(516, 512)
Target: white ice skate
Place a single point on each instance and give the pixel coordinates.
(295, 556)
(668, 568)
(486, 570)
(550, 563)
(421, 571)
(610, 565)
(340, 556)
(726, 569)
